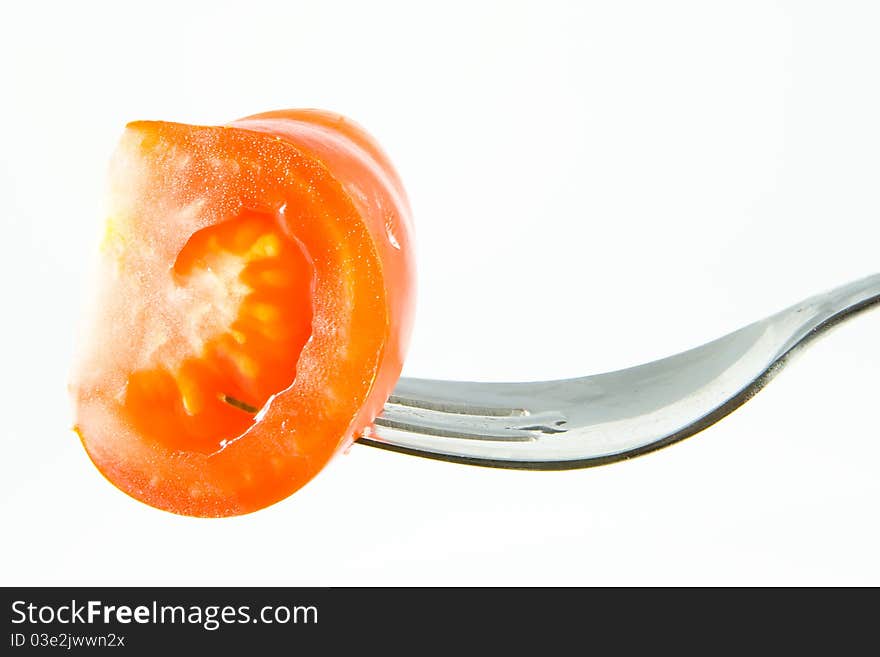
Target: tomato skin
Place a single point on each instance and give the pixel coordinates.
(374, 186)
(336, 194)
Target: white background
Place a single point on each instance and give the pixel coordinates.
(595, 185)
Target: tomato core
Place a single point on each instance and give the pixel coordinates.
(239, 300)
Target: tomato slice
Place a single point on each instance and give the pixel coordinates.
(255, 298)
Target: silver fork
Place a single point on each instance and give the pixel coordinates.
(575, 423)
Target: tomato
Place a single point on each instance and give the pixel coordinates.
(255, 298)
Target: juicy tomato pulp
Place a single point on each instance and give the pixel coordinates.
(255, 301)
(248, 318)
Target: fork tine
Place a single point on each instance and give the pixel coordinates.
(447, 406)
(455, 397)
(480, 423)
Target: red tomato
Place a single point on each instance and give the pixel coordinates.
(255, 303)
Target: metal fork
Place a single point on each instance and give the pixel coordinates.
(575, 423)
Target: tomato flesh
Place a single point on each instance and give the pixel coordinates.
(245, 316)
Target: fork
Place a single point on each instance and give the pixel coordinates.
(603, 418)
